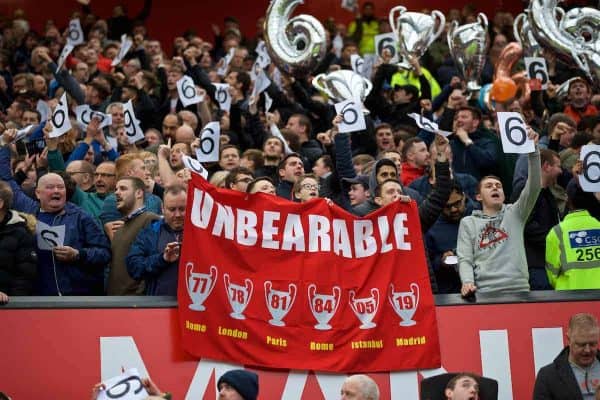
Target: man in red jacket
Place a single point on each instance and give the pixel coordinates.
(579, 98)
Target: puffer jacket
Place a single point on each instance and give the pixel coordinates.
(18, 255)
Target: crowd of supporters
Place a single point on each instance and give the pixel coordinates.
(89, 213)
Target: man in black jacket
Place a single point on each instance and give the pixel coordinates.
(575, 372)
(17, 250)
(542, 219)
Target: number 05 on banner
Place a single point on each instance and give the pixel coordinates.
(513, 133)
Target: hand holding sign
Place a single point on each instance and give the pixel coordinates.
(84, 115)
(428, 125)
(127, 386)
(61, 123)
(590, 176)
(75, 33)
(187, 91)
(195, 166)
(353, 119)
(536, 69)
(514, 133)
(132, 124)
(223, 96)
(12, 135)
(48, 237)
(208, 150)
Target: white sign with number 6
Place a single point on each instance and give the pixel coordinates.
(187, 91)
(536, 69)
(357, 63)
(590, 176)
(127, 386)
(387, 41)
(223, 96)
(75, 33)
(513, 133)
(132, 124)
(208, 151)
(353, 119)
(60, 121)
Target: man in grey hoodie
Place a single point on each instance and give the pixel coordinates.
(490, 247)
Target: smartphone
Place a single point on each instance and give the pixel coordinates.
(35, 146)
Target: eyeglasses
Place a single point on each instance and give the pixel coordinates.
(309, 186)
(456, 204)
(244, 180)
(101, 174)
(76, 172)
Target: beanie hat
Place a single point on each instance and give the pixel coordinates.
(244, 382)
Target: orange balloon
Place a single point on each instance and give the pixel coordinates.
(503, 89)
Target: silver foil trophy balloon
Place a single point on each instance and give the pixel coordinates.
(415, 31)
(575, 37)
(468, 44)
(343, 85)
(296, 45)
(525, 37)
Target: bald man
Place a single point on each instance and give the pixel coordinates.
(72, 249)
(82, 173)
(184, 134)
(359, 387)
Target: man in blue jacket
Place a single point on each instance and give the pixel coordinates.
(72, 249)
(154, 255)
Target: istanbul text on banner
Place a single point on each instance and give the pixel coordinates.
(270, 283)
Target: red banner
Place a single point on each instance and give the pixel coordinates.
(267, 282)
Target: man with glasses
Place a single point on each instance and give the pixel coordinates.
(440, 241)
(72, 250)
(238, 179)
(82, 173)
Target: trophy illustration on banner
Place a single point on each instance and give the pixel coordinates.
(279, 302)
(405, 303)
(238, 296)
(468, 44)
(199, 285)
(297, 45)
(343, 85)
(415, 31)
(323, 306)
(575, 38)
(365, 308)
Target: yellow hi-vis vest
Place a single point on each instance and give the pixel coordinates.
(573, 252)
(405, 77)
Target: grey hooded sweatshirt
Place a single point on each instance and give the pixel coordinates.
(491, 249)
